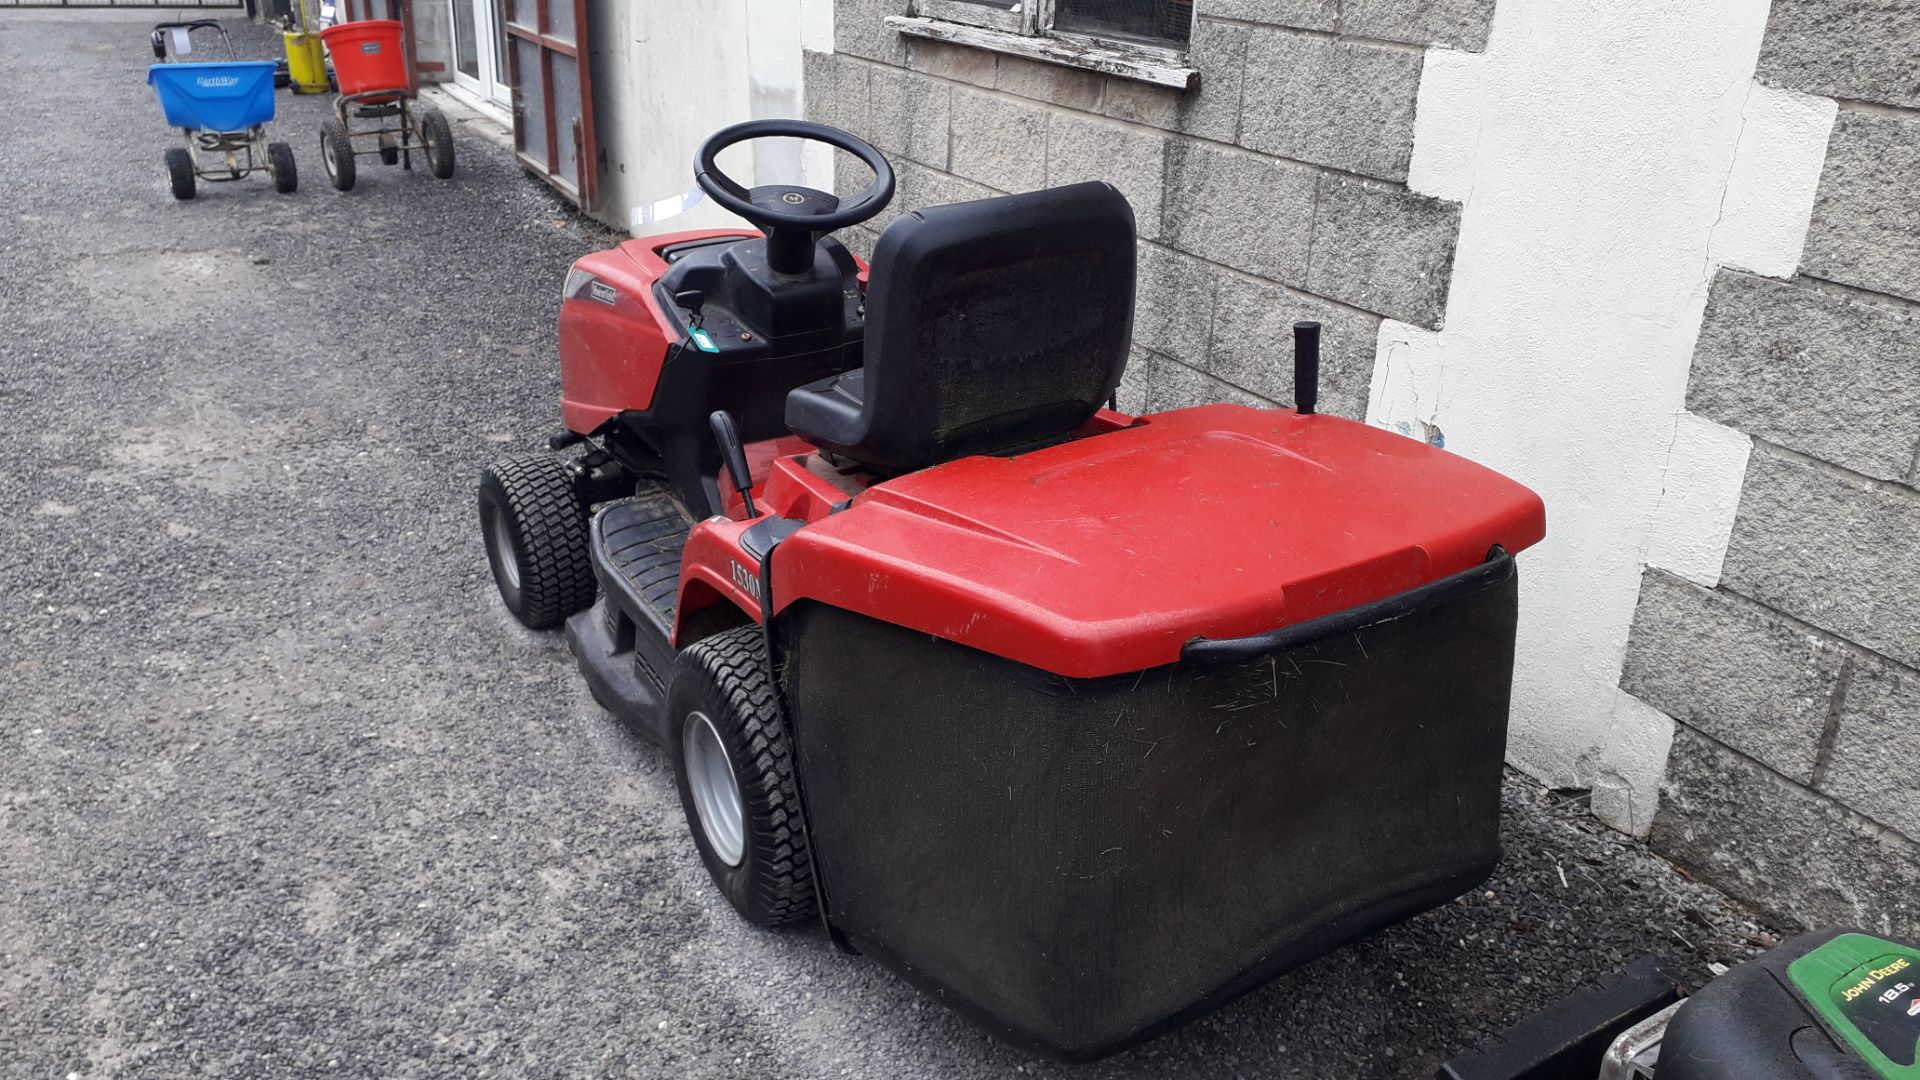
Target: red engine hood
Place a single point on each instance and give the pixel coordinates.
(1106, 555)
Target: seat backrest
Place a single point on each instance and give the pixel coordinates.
(996, 324)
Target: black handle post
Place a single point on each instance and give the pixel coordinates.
(1306, 367)
(735, 456)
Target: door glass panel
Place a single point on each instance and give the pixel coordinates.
(566, 95)
(499, 89)
(560, 22)
(466, 54)
(532, 113)
(553, 118)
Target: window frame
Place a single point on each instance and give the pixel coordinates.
(1026, 28)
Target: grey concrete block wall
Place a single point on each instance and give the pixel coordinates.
(1072, 88)
(839, 94)
(907, 115)
(1300, 14)
(1824, 374)
(1174, 385)
(1876, 743)
(1210, 191)
(1174, 304)
(998, 141)
(1271, 192)
(1134, 160)
(1837, 551)
(1462, 24)
(1729, 668)
(1859, 50)
(1252, 345)
(1134, 382)
(1383, 249)
(1219, 51)
(1795, 684)
(1794, 852)
(860, 29)
(1343, 104)
(1457, 24)
(1866, 218)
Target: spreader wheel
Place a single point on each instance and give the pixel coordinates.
(536, 531)
(336, 153)
(286, 176)
(438, 135)
(733, 761)
(179, 172)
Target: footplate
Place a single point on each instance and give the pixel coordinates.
(623, 643)
(641, 539)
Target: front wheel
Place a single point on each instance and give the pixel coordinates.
(286, 177)
(336, 153)
(536, 531)
(438, 135)
(733, 764)
(179, 172)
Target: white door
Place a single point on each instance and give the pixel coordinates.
(479, 51)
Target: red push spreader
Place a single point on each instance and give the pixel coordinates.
(368, 57)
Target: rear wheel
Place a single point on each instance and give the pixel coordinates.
(336, 153)
(536, 531)
(286, 177)
(438, 135)
(733, 763)
(179, 172)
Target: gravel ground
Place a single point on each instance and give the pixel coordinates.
(283, 791)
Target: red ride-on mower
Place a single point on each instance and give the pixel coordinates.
(1084, 723)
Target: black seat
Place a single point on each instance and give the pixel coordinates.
(991, 325)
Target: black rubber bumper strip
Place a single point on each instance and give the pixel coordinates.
(1497, 569)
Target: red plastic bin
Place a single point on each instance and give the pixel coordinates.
(368, 57)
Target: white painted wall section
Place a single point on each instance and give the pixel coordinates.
(672, 72)
(1633, 759)
(1609, 157)
(816, 35)
(668, 73)
(1699, 497)
(1775, 176)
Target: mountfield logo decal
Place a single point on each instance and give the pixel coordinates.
(217, 82)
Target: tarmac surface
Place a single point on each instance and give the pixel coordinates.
(285, 792)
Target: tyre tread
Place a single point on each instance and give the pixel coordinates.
(734, 663)
(556, 568)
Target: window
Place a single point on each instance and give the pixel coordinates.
(1152, 22)
(1138, 39)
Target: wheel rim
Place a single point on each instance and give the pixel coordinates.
(716, 792)
(326, 155)
(501, 540)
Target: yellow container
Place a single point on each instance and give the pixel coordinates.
(306, 64)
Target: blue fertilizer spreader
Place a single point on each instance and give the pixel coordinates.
(222, 108)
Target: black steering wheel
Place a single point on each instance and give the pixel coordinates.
(792, 216)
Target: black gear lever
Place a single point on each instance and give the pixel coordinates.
(735, 455)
